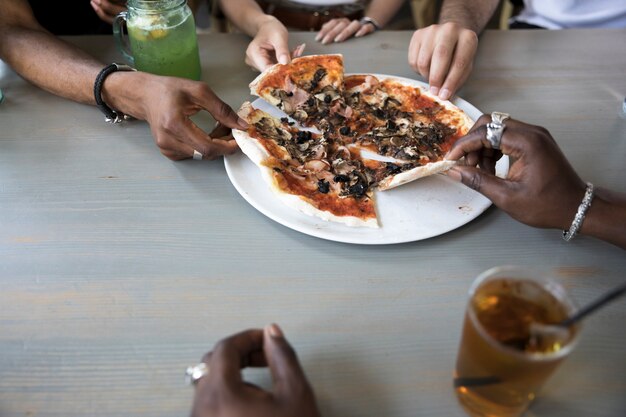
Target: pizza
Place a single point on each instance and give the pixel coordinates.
(344, 137)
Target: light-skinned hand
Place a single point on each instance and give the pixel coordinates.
(108, 9)
(340, 29)
(444, 54)
(271, 45)
(224, 393)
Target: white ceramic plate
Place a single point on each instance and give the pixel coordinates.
(418, 210)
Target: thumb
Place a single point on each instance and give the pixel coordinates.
(281, 48)
(287, 374)
(495, 189)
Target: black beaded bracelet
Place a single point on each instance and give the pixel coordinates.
(110, 115)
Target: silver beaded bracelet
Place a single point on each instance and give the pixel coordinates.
(580, 214)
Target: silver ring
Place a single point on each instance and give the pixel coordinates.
(499, 117)
(194, 373)
(197, 155)
(495, 128)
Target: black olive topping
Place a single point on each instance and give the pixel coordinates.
(345, 130)
(393, 168)
(379, 113)
(310, 101)
(323, 186)
(303, 136)
(327, 99)
(391, 125)
(358, 189)
(289, 94)
(341, 178)
(277, 169)
(284, 119)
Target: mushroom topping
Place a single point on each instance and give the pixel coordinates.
(317, 165)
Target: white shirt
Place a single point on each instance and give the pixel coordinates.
(569, 14)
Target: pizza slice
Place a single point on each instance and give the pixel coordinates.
(306, 170)
(309, 89)
(402, 123)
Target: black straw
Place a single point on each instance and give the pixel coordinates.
(583, 312)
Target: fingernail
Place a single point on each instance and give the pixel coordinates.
(242, 123)
(454, 174)
(337, 39)
(318, 37)
(283, 59)
(444, 94)
(274, 330)
(434, 90)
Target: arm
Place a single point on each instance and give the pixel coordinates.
(541, 189)
(340, 29)
(472, 15)
(271, 39)
(224, 393)
(444, 53)
(165, 102)
(108, 9)
(606, 218)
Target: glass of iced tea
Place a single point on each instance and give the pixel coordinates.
(502, 362)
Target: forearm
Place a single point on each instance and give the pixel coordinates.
(51, 64)
(472, 15)
(606, 218)
(247, 15)
(382, 11)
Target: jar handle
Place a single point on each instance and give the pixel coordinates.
(120, 31)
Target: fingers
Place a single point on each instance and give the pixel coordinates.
(331, 29)
(365, 30)
(221, 132)
(287, 373)
(281, 47)
(220, 111)
(349, 31)
(443, 54)
(106, 9)
(492, 187)
(258, 57)
(444, 46)
(461, 66)
(298, 51)
(476, 139)
(234, 353)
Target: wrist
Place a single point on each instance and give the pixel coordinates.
(606, 218)
(122, 91)
(265, 20)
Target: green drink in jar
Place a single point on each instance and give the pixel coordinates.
(162, 37)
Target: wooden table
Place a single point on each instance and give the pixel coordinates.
(119, 268)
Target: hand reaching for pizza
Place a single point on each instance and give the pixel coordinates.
(108, 9)
(341, 29)
(541, 189)
(167, 103)
(271, 45)
(223, 392)
(443, 54)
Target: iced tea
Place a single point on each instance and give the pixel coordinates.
(501, 364)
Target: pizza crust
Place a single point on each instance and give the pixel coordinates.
(415, 173)
(258, 154)
(268, 72)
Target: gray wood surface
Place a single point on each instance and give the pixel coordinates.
(119, 268)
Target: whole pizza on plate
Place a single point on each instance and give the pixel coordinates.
(344, 137)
